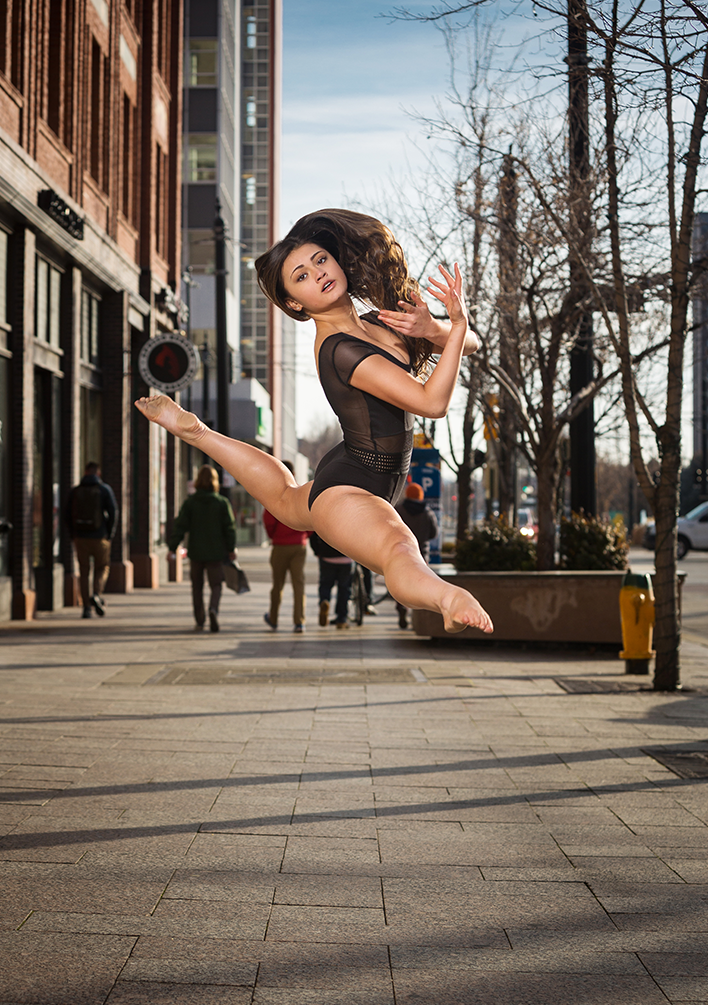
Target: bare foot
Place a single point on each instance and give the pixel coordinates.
(166, 412)
(460, 610)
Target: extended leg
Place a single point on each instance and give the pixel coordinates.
(262, 475)
(369, 530)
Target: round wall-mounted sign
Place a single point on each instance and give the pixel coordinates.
(168, 362)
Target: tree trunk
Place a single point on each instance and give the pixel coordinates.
(667, 627)
(464, 471)
(546, 545)
(508, 303)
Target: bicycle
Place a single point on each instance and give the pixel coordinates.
(359, 599)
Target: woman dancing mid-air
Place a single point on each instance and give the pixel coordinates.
(370, 368)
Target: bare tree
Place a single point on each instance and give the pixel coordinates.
(648, 75)
(319, 440)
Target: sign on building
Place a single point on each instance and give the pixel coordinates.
(168, 362)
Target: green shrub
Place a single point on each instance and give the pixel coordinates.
(494, 546)
(588, 543)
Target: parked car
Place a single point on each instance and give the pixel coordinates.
(692, 532)
(527, 523)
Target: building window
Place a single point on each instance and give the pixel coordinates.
(12, 22)
(201, 157)
(251, 112)
(164, 34)
(55, 65)
(98, 139)
(160, 201)
(250, 32)
(202, 62)
(89, 328)
(47, 303)
(127, 202)
(250, 190)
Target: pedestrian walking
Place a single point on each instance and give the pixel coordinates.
(287, 555)
(335, 570)
(91, 513)
(422, 522)
(208, 519)
(371, 368)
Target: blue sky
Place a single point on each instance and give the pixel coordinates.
(349, 75)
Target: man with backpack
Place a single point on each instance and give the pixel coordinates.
(90, 515)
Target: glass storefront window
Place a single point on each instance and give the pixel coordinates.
(89, 328)
(4, 463)
(91, 426)
(3, 277)
(47, 303)
(201, 250)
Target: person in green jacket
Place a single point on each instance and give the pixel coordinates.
(209, 520)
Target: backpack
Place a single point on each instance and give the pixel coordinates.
(86, 508)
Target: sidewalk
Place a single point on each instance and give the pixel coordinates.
(340, 818)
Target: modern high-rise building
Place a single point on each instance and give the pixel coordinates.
(231, 158)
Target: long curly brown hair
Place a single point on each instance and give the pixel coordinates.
(368, 253)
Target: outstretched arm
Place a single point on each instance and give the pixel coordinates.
(431, 399)
(415, 321)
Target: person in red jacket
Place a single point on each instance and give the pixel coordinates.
(288, 554)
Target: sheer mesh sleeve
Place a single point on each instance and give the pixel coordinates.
(341, 358)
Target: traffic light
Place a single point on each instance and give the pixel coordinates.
(491, 417)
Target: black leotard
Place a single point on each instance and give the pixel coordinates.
(376, 452)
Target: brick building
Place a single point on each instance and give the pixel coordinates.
(90, 147)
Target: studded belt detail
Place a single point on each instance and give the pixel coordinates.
(385, 463)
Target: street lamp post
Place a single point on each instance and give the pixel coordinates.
(222, 348)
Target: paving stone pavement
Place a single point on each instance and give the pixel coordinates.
(339, 818)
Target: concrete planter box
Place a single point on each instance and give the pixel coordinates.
(537, 606)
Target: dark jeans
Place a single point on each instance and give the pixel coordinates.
(215, 575)
(332, 574)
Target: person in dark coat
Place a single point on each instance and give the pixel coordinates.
(90, 514)
(335, 570)
(421, 520)
(209, 520)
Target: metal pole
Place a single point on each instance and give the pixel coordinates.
(206, 415)
(222, 348)
(187, 278)
(582, 428)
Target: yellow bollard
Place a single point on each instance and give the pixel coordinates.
(637, 617)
